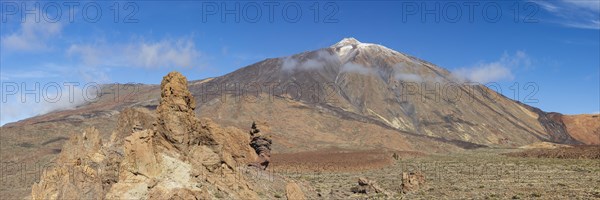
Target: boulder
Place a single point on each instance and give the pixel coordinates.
(366, 186)
(412, 181)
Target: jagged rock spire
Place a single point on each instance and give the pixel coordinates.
(175, 95)
(176, 118)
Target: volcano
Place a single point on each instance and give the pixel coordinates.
(364, 95)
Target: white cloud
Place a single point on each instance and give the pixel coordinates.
(32, 36)
(485, 73)
(89, 54)
(591, 24)
(165, 53)
(312, 64)
(584, 14)
(322, 58)
(351, 67)
(585, 4)
(170, 53)
(16, 107)
(547, 5)
(289, 64)
(408, 77)
(494, 71)
(96, 59)
(519, 59)
(94, 74)
(401, 73)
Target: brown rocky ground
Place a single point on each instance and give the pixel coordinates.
(473, 174)
(575, 152)
(335, 160)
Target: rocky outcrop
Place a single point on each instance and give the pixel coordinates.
(412, 181)
(87, 168)
(130, 121)
(75, 173)
(262, 146)
(367, 186)
(167, 155)
(177, 123)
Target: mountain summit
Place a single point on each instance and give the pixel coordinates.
(346, 42)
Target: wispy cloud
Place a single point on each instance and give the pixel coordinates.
(484, 73)
(408, 77)
(499, 70)
(584, 14)
(351, 67)
(31, 36)
(402, 73)
(95, 60)
(180, 52)
(323, 58)
(16, 107)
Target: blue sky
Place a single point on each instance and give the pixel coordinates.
(554, 44)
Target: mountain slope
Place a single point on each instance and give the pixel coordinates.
(360, 82)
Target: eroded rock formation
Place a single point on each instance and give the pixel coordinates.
(169, 154)
(262, 146)
(366, 186)
(412, 181)
(75, 175)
